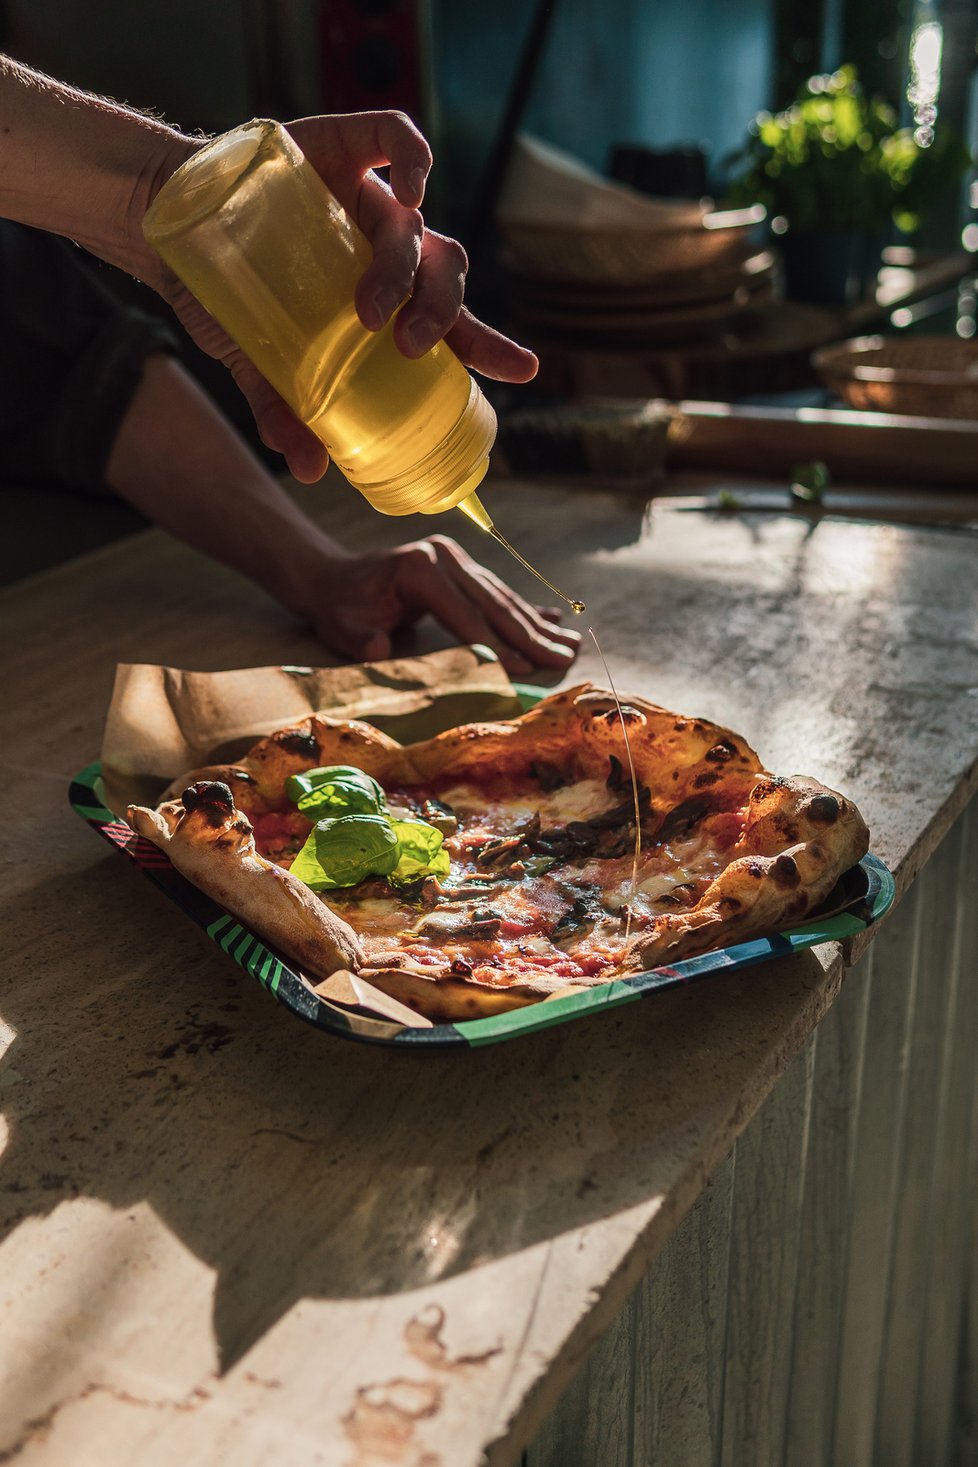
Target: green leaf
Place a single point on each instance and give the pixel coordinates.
(338, 790)
(341, 852)
(809, 481)
(836, 160)
(422, 852)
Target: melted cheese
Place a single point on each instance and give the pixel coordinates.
(505, 814)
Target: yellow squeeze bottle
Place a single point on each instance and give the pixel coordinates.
(253, 232)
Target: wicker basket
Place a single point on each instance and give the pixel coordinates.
(920, 376)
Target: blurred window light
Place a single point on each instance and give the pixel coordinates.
(924, 87)
(969, 237)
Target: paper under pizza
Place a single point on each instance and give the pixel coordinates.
(501, 863)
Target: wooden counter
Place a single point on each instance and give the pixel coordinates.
(229, 1238)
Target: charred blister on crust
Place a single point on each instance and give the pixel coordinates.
(628, 715)
(767, 786)
(296, 742)
(211, 797)
(708, 777)
(823, 809)
(784, 871)
(721, 753)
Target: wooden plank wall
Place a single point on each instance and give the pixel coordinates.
(818, 1307)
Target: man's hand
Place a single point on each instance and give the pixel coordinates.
(87, 168)
(359, 601)
(410, 263)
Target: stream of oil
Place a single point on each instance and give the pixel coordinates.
(636, 854)
(576, 606)
(473, 507)
(476, 511)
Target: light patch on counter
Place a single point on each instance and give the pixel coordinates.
(93, 1292)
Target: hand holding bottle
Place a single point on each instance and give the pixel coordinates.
(410, 263)
(86, 168)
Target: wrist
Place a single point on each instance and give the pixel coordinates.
(80, 166)
(306, 570)
(162, 155)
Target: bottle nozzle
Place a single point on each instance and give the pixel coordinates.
(474, 508)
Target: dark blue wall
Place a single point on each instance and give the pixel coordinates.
(613, 71)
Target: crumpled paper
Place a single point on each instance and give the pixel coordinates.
(165, 721)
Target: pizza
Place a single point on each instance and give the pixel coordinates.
(501, 864)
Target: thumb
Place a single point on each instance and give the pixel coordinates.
(377, 647)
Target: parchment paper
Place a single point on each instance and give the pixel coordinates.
(164, 721)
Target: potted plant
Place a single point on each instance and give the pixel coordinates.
(836, 174)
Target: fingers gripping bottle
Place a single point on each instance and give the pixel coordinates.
(250, 228)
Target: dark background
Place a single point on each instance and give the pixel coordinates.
(605, 72)
(679, 80)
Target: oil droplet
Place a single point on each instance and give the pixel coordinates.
(578, 607)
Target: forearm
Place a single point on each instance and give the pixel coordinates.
(81, 166)
(182, 464)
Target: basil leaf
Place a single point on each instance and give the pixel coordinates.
(341, 852)
(338, 790)
(339, 797)
(422, 852)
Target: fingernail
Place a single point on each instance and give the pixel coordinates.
(417, 179)
(421, 336)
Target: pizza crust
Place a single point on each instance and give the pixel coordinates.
(799, 837)
(213, 845)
